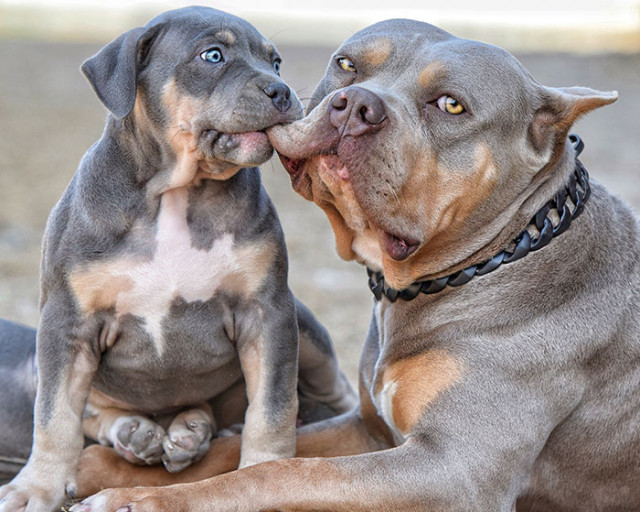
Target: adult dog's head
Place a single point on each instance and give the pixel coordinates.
(428, 152)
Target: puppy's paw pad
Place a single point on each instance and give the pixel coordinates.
(138, 439)
(187, 441)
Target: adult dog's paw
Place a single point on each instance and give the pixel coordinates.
(140, 499)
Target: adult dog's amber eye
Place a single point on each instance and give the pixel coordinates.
(346, 64)
(450, 105)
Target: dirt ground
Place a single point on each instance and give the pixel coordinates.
(49, 116)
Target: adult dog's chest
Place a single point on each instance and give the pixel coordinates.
(402, 384)
(161, 276)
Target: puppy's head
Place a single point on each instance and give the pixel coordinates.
(202, 84)
(420, 146)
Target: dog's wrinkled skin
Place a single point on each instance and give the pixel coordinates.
(519, 390)
(164, 274)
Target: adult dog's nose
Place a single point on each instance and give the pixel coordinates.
(279, 94)
(356, 111)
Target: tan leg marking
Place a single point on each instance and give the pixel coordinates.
(260, 442)
(412, 384)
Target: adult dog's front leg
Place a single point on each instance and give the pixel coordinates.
(101, 468)
(373, 481)
(66, 366)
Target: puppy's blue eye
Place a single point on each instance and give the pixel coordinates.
(214, 55)
(276, 66)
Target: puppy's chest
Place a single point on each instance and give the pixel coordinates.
(177, 271)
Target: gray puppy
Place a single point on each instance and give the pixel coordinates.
(501, 371)
(164, 272)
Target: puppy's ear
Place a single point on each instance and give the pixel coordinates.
(113, 71)
(561, 107)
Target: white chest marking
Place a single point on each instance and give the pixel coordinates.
(177, 269)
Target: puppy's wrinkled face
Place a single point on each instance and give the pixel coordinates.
(416, 140)
(202, 84)
(220, 89)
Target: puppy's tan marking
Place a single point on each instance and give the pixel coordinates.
(226, 36)
(183, 111)
(410, 385)
(378, 52)
(255, 261)
(99, 290)
(251, 356)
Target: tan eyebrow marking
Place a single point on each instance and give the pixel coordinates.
(434, 71)
(269, 47)
(378, 52)
(225, 36)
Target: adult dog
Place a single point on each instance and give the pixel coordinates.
(501, 371)
(164, 274)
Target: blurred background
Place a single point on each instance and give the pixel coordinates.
(49, 115)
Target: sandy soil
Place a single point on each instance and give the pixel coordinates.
(49, 117)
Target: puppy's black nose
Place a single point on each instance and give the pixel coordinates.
(279, 94)
(357, 111)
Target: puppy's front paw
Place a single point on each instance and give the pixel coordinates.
(188, 440)
(138, 439)
(35, 492)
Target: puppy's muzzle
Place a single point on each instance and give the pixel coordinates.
(355, 111)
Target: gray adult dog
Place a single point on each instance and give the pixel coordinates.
(517, 389)
(164, 273)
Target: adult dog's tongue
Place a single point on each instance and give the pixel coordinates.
(399, 248)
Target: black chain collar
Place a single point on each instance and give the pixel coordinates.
(577, 189)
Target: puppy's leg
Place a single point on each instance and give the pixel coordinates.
(268, 349)
(102, 468)
(188, 438)
(66, 366)
(134, 437)
(324, 389)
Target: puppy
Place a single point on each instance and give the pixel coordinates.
(164, 272)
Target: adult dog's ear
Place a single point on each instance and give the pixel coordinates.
(560, 109)
(113, 71)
